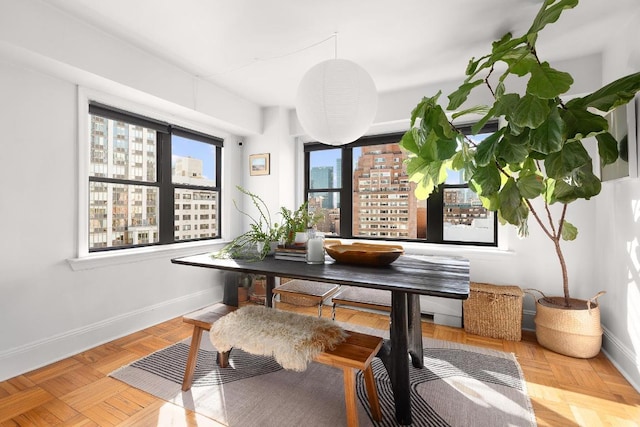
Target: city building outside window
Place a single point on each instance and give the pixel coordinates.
(139, 167)
(364, 191)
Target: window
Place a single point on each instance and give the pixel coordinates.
(140, 169)
(364, 191)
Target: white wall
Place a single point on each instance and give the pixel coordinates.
(47, 310)
(52, 304)
(617, 241)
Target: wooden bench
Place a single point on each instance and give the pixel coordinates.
(355, 353)
(201, 321)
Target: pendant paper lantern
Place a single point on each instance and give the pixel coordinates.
(336, 102)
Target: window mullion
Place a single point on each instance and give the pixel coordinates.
(166, 214)
(434, 215)
(346, 194)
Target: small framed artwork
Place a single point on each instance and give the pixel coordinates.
(259, 164)
(623, 127)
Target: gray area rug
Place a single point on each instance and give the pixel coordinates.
(459, 386)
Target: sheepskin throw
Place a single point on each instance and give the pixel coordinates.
(292, 339)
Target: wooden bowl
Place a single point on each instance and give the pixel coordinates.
(364, 253)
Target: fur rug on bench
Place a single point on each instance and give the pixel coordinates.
(292, 339)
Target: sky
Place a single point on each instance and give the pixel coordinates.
(185, 147)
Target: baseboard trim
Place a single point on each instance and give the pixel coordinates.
(19, 360)
(623, 358)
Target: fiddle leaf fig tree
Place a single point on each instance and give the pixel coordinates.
(538, 153)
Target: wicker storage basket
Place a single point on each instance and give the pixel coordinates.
(494, 311)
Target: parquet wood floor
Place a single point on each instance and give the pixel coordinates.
(77, 391)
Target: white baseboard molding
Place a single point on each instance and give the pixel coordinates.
(25, 358)
(623, 358)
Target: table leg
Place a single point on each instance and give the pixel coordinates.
(271, 283)
(398, 365)
(415, 331)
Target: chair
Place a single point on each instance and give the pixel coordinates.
(374, 299)
(312, 293)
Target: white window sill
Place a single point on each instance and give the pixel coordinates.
(124, 256)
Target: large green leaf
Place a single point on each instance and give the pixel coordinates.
(506, 104)
(503, 48)
(477, 127)
(424, 106)
(458, 161)
(429, 149)
(549, 13)
(616, 93)
(459, 96)
(607, 148)
(436, 120)
(486, 180)
(582, 184)
(512, 207)
(580, 123)
(548, 83)
(549, 137)
(530, 111)
(513, 148)
(487, 148)
(530, 185)
(408, 141)
(446, 148)
(478, 109)
(564, 163)
(569, 231)
(520, 60)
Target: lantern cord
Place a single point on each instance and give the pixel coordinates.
(271, 58)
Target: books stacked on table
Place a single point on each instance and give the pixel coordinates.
(291, 253)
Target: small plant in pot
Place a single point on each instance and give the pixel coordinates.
(263, 234)
(298, 222)
(537, 154)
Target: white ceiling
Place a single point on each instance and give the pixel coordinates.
(260, 49)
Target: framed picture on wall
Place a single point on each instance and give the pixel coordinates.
(259, 164)
(623, 127)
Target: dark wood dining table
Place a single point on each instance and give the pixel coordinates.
(407, 278)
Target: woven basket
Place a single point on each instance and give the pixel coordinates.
(494, 311)
(569, 331)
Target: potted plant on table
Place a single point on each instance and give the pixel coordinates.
(296, 223)
(263, 235)
(538, 154)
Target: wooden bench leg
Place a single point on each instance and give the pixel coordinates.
(349, 375)
(223, 359)
(372, 393)
(192, 359)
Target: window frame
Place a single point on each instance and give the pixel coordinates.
(163, 182)
(435, 202)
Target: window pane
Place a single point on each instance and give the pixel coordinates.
(329, 204)
(193, 162)
(464, 217)
(199, 217)
(325, 169)
(121, 150)
(384, 204)
(122, 215)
